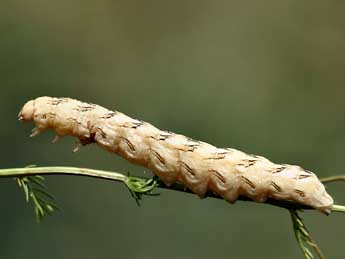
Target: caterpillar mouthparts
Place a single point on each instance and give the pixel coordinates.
(200, 166)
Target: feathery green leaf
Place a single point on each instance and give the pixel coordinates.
(303, 237)
(35, 190)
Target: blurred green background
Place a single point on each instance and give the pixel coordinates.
(265, 77)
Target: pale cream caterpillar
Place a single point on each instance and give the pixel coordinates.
(175, 158)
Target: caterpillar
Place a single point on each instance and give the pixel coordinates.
(200, 166)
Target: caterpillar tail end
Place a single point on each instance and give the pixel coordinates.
(325, 204)
(327, 211)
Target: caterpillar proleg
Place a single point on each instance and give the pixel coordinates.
(200, 166)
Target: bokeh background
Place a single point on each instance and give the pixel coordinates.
(263, 77)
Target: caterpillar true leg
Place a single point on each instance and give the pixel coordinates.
(34, 132)
(55, 139)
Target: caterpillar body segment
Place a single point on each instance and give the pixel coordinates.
(175, 158)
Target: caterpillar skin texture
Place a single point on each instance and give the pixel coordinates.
(175, 158)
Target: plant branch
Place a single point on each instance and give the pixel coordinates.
(135, 184)
(31, 180)
(333, 178)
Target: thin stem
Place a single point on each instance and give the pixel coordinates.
(333, 178)
(338, 208)
(51, 170)
(127, 180)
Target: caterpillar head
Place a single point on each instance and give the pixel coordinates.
(27, 112)
(33, 110)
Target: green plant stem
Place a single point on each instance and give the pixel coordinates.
(333, 178)
(338, 208)
(127, 180)
(60, 170)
